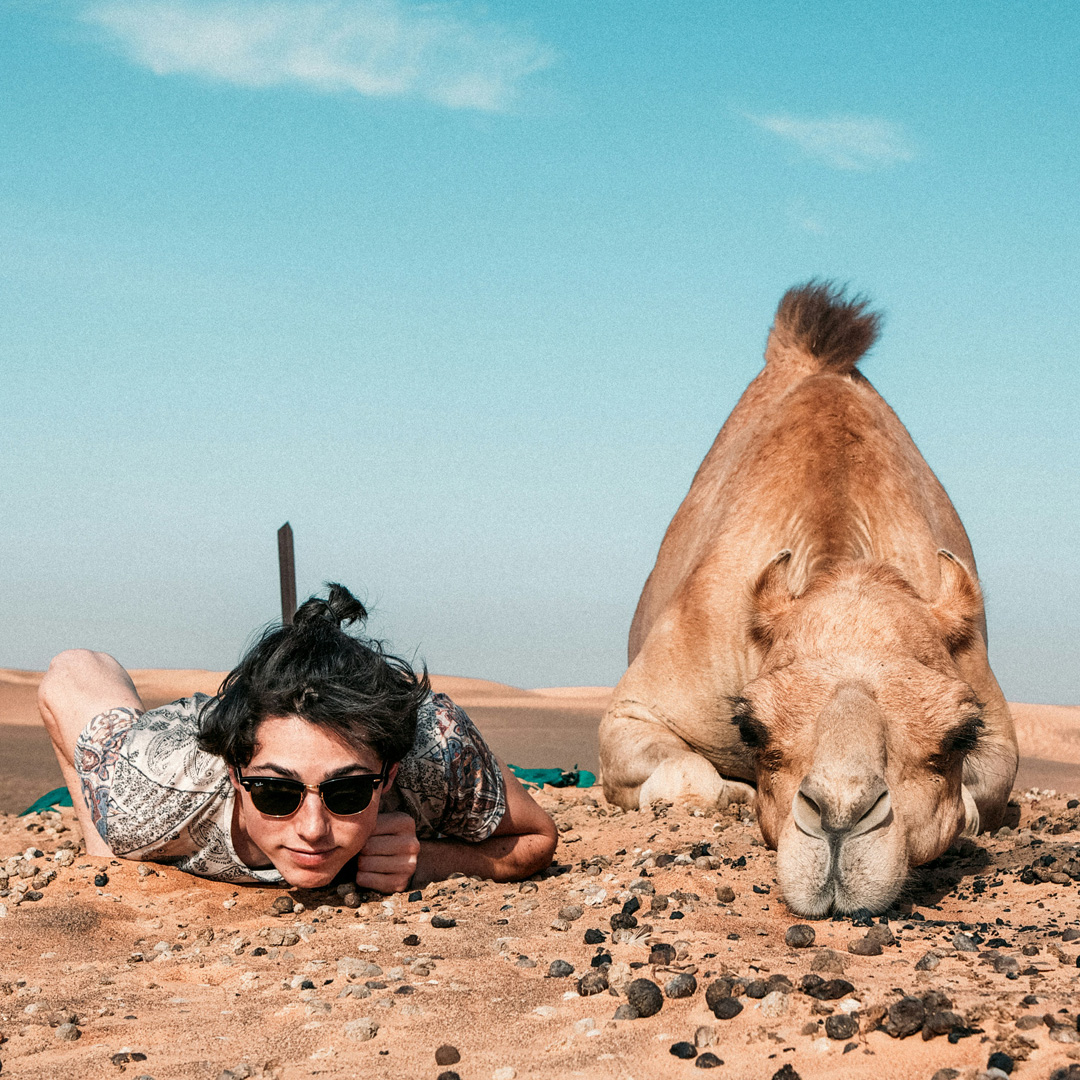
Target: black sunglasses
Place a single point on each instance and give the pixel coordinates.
(344, 796)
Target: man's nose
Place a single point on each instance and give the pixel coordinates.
(312, 819)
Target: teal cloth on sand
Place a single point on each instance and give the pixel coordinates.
(57, 797)
(574, 777)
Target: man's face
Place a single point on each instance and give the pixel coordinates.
(311, 846)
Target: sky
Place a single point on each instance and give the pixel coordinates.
(465, 291)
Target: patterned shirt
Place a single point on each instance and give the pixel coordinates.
(155, 796)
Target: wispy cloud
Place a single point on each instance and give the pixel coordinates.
(380, 48)
(860, 143)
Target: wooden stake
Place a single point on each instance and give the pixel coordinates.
(287, 572)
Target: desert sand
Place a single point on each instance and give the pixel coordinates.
(153, 973)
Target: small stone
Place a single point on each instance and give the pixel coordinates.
(705, 1036)
(829, 961)
(881, 933)
(963, 943)
(831, 990)
(681, 986)
(504, 1072)
(841, 1026)
(929, 961)
(708, 1060)
(946, 1074)
(645, 996)
(905, 1017)
(447, 1055)
(683, 1050)
(621, 921)
(592, 982)
(448, 1074)
(410, 939)
(363, 1029)
(1000, 1060)
(716, 991)
(442, 922)
(571, 912)
(725, 894)
(799, 936)
(560, 969)
(661, 954)
(595, 937)
(786, 1072)
(864, 947)
(775, 1003)
(727, 1008)
(1004, 964)
(626, 1012)
(68, 1032)
(101, 880)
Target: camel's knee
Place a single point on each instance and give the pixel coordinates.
(691, 781)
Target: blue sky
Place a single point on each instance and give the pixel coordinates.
(465, 291)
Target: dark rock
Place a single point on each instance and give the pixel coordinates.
(964, 943)
(645, 996)
(101, 880)
(940, 1022)
(725, 894)
(727, 1008)
(828, 960)
(936, 999)
(683, 1050)
(881, 934)
(559, 969)
(410, 939)
(442, 922)
(929, 961)
(800, 936)
(307, 984)
(283, 905)
(626, 1012)
(592, 982)
(832, 989)
(659, 902)
(600, 959)
(786, 1072)
(595, 937)
(662, 954)
(862, 917)
(864, 947)
(449, 1074)
(681, 986)
(632, 906)
(676, 915)
(447, 1055)
(946, 1074)
(1004, 964)
(905, 1017)
(779, 982)
(756, 989)
(571, 912)
(68, 1032)
(718, 990)
(622, 921)
(708, 1060)
(1002, 1061)
(841, 1026)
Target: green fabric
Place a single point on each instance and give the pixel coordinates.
(555, 777)
(57, 797)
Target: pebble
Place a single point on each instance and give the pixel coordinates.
(595, 937)
(592, 982)
(963, 943)
(101, 880)
(449, 1074)
(442, 922)
(799, 936)
(645, 997)
(447, 1055)
(571, 912)
(705, 1036)
(681, 986)
(929, 961)
(504, 1072)
(1002, 1061)
(830, 990)
(662, 954)
(683, 1050)
(829, 961)
(410, 939)
(864, 946)
(905, 1017)
(786, 1072)
(707, 1060)
(68, 1032)
(363, 1029)
(842, 1026)
(626, 1012)
(727, 1008)
(775, 1003)
(283, 905)
(725, 894)
(559, 969)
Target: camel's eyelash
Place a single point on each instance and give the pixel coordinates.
(752, 731)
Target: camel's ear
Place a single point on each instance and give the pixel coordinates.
(958, 603)
(770, 599)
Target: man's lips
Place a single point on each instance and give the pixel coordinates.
(305, 856)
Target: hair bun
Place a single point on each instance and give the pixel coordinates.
(339, 609)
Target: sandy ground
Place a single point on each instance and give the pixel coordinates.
(206, 980)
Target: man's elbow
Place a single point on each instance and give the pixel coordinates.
(542, 849)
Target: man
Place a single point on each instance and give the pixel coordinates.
(318, 749)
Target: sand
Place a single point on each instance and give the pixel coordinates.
(133, 965)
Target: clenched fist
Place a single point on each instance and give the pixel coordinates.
(388, 860)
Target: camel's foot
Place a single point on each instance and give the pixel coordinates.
(692, 782)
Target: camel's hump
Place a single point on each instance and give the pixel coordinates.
(817, 328)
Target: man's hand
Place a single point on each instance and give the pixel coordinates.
(388, 860)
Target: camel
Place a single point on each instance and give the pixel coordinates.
(812, 637)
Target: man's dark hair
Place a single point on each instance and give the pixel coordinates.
(313, 669)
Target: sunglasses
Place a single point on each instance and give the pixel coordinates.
(344, 796)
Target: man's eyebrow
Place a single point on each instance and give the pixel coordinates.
(292, 774)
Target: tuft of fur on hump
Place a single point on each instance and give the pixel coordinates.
(818, 329)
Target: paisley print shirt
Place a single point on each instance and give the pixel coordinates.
(155, 796)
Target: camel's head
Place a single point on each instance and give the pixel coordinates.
(859, 723)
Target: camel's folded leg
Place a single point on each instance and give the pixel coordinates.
(643, 762)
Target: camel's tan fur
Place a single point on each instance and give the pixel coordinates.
(813, 628)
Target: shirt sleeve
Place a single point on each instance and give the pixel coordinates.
(451, 781)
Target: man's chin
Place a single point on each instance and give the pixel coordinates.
(303, 877)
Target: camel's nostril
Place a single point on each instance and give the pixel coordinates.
(830, 816)
(807, 814)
